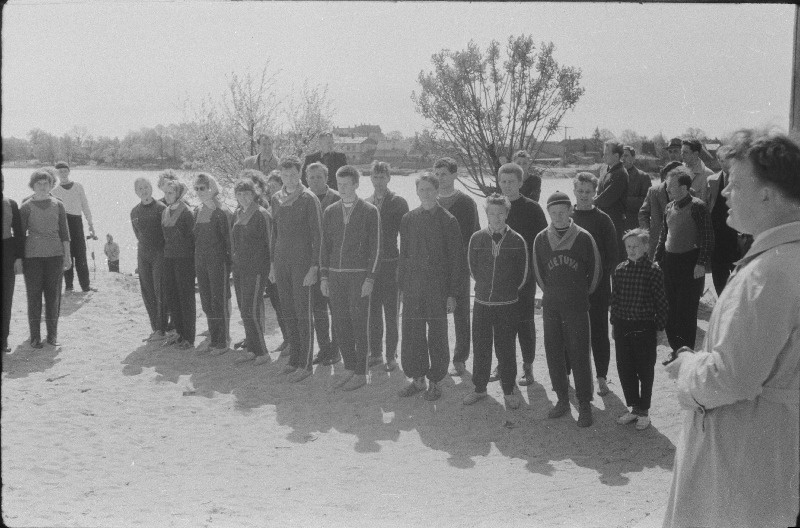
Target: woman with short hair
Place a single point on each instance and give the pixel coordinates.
(212, 261)
(250, 254)
(177, 223)
(47, 255)
(146, 221)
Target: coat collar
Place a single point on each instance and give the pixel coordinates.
(772, 238)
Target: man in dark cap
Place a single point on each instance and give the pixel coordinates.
(673, 150)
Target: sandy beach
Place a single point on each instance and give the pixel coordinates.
(108, 431)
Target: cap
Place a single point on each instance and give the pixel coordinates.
(62, 165)
(558, 198)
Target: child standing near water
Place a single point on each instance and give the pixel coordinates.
(111, 249)
(638, 309)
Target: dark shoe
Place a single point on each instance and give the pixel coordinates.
(602, 387)
(319, 358)
(390, 365)
(68, 290)
(332, 359)
(90, 289)
(560, 409)
(286, 352)
(495, 375)
(512, 400)
(52, 341)
(300, 374)
(36, 342)
(584, 414)
(240, 344)
(357, 381)
(459, 368)
(433, 393)
(412, 388)
(527, 375)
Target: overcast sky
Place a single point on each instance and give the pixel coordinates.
(114, 67)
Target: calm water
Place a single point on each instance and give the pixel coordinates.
(111, 198)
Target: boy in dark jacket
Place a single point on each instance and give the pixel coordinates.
(567, 266)
(498, 261)
(349, 261)
(429, 276)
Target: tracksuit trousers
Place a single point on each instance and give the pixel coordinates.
(350, 313)
(424, 350)
(566, 334)
(77, 249)
(384, 304)
(598, 320)
(683, 294)
(296, 305)
(178, 282)
(274, 298)
(494, 325)
(250, 299)
(8, 287)
(635, 343)
(461, 322)
(526, 327)
(322, 324)
(215, 290)
(151, 281)
(43, 276)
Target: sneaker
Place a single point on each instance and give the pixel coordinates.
(433, 393)
(155, 336)
(412, 388)
(627, 418)
(36, 342)
(344, 379)
(559, 409)
(218, 351)
(245, 357)
(240, 344)
(288, 369)
(332, 359)
(642, 422)
(355, 382)
(300, 375)
(374, 360)
(286, 352)
(512, 400)
(495, 375)
(68, 290)
(183, 345)
(390, 365)
(90, 289)
(262, 359)
(473, 397)
(52, 341)
(602, 387)
(527, 375)
(459, 368)
(584, 414)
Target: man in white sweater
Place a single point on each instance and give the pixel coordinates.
(76, 205)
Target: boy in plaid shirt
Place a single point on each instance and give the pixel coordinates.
(638, 309)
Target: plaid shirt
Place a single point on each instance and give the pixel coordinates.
(637, 293)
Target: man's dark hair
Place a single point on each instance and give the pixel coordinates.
(683, 174)
(775, 158)
(668, 167)
(447, 163)
(287, 162)
(693, 144)
(510, 168)
(380, 167)
(348, 171)
(428, 177)
(615, 146)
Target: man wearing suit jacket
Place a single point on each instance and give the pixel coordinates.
(265, 161)
(638, 183)
(651, 214)
(326, 155)
(612, 192)
(726, 239)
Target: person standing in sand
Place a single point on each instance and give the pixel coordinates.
(111, 250)
(349, 260)
(43, 222)
(429, 278)
(13, 253)
(612, 191)
(212, 262)
(392, 207)
(76, 205)
(250, 255)
(146, 222)
(177, 222)
(296, 239)
(737, 462)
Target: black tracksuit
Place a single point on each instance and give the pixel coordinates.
(212, 261)
(384, 300)
(179, 274)
(13, 249)
(146, 221)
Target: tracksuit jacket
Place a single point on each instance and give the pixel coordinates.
(498, 280)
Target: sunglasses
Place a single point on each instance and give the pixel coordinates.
(200, 188)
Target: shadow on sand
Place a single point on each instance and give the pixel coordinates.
(375, 414)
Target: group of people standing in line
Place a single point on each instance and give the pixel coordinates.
(303, 237)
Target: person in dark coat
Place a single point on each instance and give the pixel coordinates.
(13, 253)
(651, 214)
(531, 181)
(328, 157)
(638, 184)
(726, 239)
(612, 191)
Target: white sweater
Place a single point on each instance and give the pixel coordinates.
(74, 199)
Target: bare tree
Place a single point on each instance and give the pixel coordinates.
(695, 133)
(252, 105)
(308, 114)
(486, 106)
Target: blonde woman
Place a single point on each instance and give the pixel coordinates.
(177, 223)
